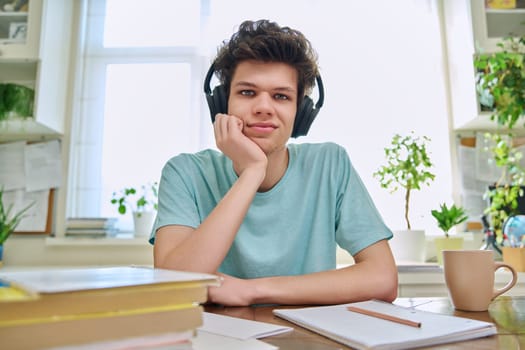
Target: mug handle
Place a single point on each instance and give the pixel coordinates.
(512, 282)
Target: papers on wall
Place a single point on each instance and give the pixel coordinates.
(27, 174)
(12, 172)
(31, 167)
(35, 218)
(43, 165)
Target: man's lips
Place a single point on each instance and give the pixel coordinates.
(262, 127)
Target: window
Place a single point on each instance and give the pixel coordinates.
(138, 98)
(142, 99)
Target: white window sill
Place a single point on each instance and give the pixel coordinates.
(119, 240)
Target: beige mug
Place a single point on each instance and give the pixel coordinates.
(469, 275)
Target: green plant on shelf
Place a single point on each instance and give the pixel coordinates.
(16, 101)
(501, 81)
(448, 217)
(131, 199)
(408, 166)
(503, 196)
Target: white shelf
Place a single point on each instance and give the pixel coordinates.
(432, 284)
(122, 240)
(483, 123)
(27, 130)
(13, 14)
(505, 11)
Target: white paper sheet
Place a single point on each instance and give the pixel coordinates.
(368, 332)
(43, 165)
(240, 328)
(208, 341)
(35, 218)
(12, 173)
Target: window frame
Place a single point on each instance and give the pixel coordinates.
(94, 58)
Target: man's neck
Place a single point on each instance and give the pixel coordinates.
(277, 165)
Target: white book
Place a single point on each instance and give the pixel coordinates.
(89, 278)
(240, 328)
(73, 223)
(206, 341)
(369, 332)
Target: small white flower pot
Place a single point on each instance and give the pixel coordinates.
(143, 223)
(409, 245)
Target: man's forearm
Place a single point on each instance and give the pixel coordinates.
(373, 276)
(345, 285)
(204, 249)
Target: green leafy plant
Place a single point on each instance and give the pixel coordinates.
(408, 166)
(16, 100)
(447, 217)
(501, 81)
(131, 199)
(8, 220)
(504, 194)
(501, 77)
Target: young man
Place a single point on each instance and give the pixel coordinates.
(263, 214)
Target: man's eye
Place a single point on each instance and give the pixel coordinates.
(247, 92)
(281, 97)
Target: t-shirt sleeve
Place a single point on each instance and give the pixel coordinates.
(359, 223)
(176, 204)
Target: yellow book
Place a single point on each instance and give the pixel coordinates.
(176, 322)
(47, 294)
(501, 4)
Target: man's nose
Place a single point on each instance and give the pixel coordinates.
(263, 104)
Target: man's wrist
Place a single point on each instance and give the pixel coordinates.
(256, 173)
(263, 290)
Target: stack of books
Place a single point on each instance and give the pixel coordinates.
(48, 308)
(90, 227)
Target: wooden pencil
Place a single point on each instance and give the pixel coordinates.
(385, 316)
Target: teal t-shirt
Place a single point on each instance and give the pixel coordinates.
(291, 229)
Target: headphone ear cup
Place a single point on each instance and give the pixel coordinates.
(304, 117)
(222, 99)
(217, 101)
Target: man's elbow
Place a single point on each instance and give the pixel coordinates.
(387, 287)
(390, 292)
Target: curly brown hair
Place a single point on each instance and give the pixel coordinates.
(266, 41)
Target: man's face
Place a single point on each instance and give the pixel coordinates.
(264, 96)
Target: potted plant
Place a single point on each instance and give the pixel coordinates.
(501, 77)
(447, 218)
(142, 203)
(408, 166)
(16, 101)
(501, 81)
(8, 221)
(507, 191)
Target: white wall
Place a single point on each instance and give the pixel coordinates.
(38, 250)
(43, 250)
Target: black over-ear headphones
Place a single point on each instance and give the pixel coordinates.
(306, 112)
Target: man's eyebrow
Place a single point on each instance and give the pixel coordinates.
(248, 84)
(244, 83)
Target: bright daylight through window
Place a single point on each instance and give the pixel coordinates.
(142, 101)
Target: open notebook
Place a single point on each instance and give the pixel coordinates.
(368, 332)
